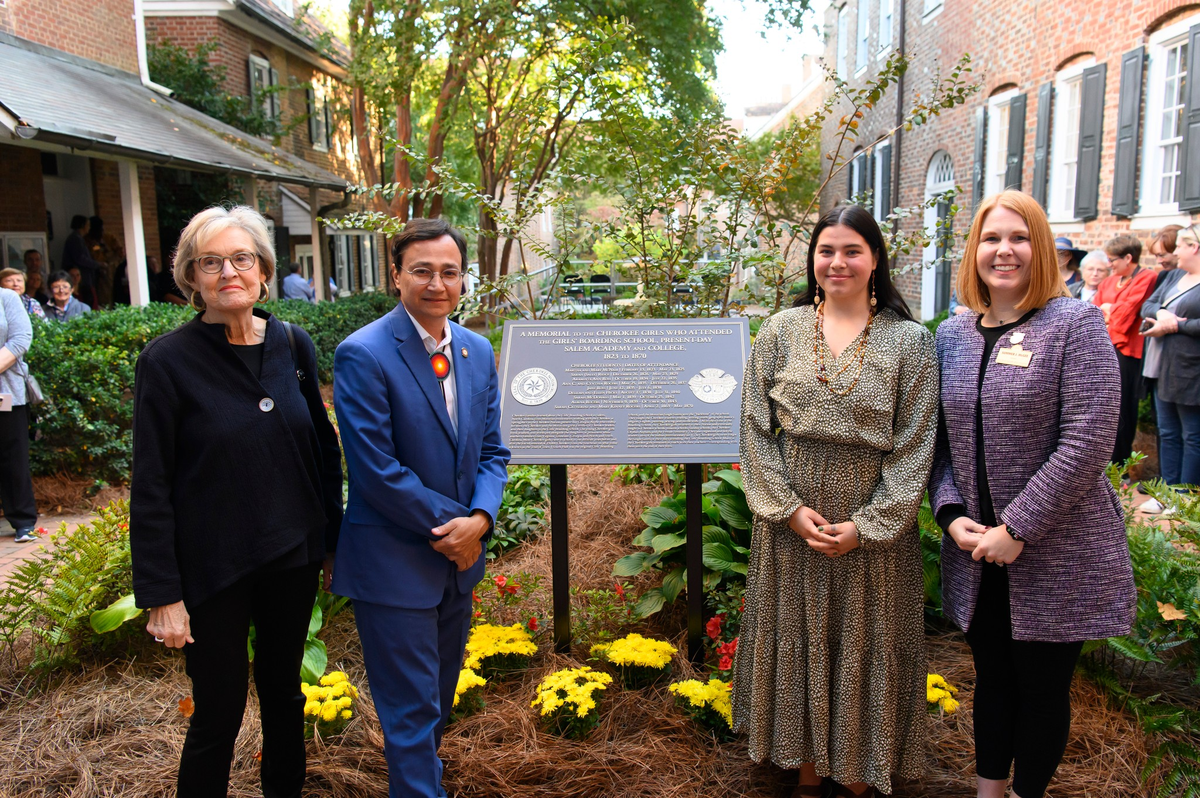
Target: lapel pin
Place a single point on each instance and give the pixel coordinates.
(464, 351)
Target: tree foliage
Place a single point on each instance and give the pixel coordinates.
(196, 82)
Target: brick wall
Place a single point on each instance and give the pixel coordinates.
(1036, 41)
(100, 30)
(236, 46)
(22, 203)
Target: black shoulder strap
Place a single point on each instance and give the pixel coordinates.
(291, 336)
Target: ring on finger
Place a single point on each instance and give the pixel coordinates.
(158, 640)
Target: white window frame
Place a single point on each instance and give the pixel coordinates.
(862, 37)
(318, 110)
(1063, 152)
(1151, 168)
(843, 42)
(937, 181)
(369, 245)
(285, 6)
(877, 188)
(887, 11)
(932, 9)
(995, 157)
(268, 101)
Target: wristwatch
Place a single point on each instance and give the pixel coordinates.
(1012, 534)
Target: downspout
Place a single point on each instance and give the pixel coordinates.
(899, 109)
(139, 26)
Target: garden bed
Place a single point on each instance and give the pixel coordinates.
(116, 727)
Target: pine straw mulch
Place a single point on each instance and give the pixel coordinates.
(116, 729)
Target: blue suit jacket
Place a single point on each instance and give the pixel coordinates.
(407, 472)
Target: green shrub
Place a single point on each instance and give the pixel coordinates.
(86, 368)
(522, 510)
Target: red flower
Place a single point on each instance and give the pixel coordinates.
(713, 627)
(474, 597)
(478, 613)
(533, 624)
(511, 590)
(620, 590)
(725, 664)
(500, 581)
(743, 607)
(728, 649)
(736, 467)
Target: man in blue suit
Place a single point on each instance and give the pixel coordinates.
(418, 406)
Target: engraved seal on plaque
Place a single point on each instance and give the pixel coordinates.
(534, 386)
(712, 386)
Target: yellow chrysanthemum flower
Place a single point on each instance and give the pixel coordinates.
(329, 712)
(467, 679)
(312, 708)
(487, 640)
(645, 652)
(347, 714)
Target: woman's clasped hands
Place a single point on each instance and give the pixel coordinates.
(991, 543)
(829, 539)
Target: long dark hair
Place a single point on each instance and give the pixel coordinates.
(861, 222)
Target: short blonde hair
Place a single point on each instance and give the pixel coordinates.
(208, 223)
(1045, 282)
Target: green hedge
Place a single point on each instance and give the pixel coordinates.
(86, 367)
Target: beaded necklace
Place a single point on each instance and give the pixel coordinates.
(860, 354)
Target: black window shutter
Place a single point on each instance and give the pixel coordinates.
(328, 124)
(1129, 108)
(1015, 160)
(275, 98)
(1041, 144)
(980, 150)
(1091, 130)
(310, 99)
(253, 91)
(884, 200)
(1189, 156)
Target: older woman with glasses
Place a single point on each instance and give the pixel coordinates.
(236, 498)
(1172, 316)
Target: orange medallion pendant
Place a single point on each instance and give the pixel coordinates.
(441, 365)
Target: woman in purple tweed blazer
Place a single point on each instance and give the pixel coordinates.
(1035, 559)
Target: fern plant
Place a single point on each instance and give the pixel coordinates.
(51, 596)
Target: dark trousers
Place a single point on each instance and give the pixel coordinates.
(16, 487)
(280, 604)
(1022, 694)
(413, 658)
(1131, 393)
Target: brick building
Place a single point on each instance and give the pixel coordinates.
(83, 131)
(289, 62)
(1090, 107)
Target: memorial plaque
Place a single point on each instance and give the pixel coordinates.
(623, 391)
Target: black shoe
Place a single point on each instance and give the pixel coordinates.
(26, 535)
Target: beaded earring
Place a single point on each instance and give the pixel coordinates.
(873, 300)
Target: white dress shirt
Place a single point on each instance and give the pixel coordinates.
(431, 346)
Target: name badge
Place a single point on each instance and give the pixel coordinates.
(1014, 355)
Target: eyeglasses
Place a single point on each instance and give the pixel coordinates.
(212, 264)
(423, 276)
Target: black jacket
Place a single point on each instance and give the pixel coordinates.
(222, 486)
(1179, 367)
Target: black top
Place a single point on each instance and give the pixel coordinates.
(252, 356)
(76, 255)
(1179, 363)
(952, 512)
(230, 471)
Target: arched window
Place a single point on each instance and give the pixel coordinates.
(1064, 145)
(935, 278)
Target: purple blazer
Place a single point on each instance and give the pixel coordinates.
(1048, 431)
